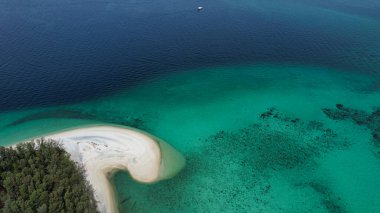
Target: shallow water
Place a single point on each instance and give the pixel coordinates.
(252, 141)
(273, 103)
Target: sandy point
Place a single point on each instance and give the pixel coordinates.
(103, 150)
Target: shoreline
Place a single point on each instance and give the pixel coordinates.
(102, 150)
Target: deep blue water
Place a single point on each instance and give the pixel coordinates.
(273, 103)
(56, 52)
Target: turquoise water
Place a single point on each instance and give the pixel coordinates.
(274, 104)
(255, 138)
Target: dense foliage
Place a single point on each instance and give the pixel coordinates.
(38, 176)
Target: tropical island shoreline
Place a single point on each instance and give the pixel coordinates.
(104, 150)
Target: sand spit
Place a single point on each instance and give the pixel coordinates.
(102, 150)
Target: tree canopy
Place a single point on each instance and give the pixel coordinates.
(39, 176)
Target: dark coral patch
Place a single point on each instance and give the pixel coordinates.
(339, 106)
(268, 113)
(359, 117)
(329, 200)
(236, 166)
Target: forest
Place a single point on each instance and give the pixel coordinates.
(39, 176)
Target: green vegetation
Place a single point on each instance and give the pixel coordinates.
(38, 176)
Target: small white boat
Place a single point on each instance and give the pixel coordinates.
(200, 8)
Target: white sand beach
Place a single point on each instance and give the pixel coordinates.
(102, 150)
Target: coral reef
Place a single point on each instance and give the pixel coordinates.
(331, 202)
(362, 118)
(254, 154)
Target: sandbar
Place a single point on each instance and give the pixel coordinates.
(103, 150)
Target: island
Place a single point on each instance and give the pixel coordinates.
(103, 150)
